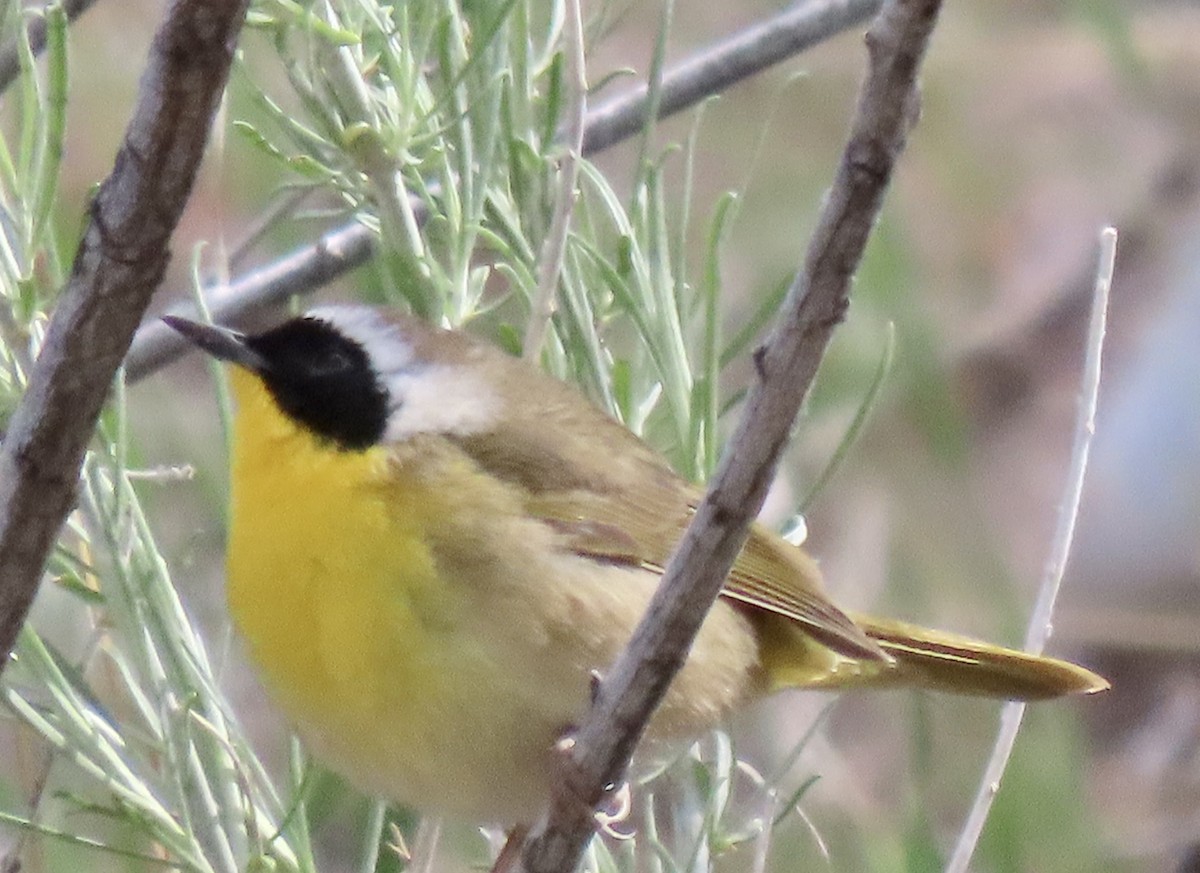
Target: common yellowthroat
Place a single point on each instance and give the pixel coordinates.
(434, 545)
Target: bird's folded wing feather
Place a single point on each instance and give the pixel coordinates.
(769, 574)
(629, 507)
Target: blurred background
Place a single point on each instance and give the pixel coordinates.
(1042, 122)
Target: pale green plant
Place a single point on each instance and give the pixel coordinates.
(436, 125)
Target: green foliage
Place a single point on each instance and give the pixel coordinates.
(437, 126)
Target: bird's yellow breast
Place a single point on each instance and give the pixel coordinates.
(328, 569)
(372, 653)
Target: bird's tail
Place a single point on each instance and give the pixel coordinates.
(926, 658)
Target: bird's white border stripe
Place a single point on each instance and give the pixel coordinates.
(423, 396)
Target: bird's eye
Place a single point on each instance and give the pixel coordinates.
(334, 362)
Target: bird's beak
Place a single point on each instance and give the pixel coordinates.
(220, 342)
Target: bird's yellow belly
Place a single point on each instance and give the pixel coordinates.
(432, 658)
(381, 668)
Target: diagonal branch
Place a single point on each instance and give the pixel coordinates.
(722, 65)
(301, 272)
(709, 71)
(1041, 620)
(120, 262)
(602, 747)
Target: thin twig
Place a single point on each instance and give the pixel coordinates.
(602, 746)
(723, 64)
(10, 55)
(120, 261)
(301, 272)
(707, 72)
(555, 247)
(1041, 620)
(425, 846)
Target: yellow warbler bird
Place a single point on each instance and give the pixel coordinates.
(434, 545)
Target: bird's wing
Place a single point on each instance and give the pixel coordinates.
(639, 521)
(626, 505)
(769, 574)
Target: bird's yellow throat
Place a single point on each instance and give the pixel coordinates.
(330, 582)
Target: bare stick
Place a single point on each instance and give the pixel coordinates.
(301, 272)
(1060, 548)
(120, 262)
(724, 64)
(554, 249)
(707, 72)
(600, 750)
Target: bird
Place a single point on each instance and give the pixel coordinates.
(434, 547)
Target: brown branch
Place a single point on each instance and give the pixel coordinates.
(626, 698)
(120, 262)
